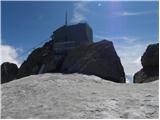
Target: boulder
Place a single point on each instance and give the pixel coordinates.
(41, 60)
(146, 75)
(151, 56)
(150, 63)
(8, 72)
(98, 59)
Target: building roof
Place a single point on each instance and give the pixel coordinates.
(70, 26)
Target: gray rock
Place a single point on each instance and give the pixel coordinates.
(151, 56)
(98, 59)
(8, 72)
(41, 60)
(150, 63)
(54, 96)
(146, 75)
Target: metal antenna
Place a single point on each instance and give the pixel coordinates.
(66, 18)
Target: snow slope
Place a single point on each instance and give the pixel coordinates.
(77, 96)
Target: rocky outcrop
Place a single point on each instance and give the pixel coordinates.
(41, 60)
(98, 59)
(150, 63)
(151, 56)
(77, 96)
(8, 72)
(146, 75)
(71, 50)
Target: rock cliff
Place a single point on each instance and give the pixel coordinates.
(41, 60)
(98, 59)
(150, 63)
(8, 72)
(54, 96)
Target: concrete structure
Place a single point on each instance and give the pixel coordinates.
(68, 37)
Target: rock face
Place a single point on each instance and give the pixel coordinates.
(71, 50)
(8, 72)
(150, 63)
(151, 56)
(54, 96)
(41, 60)
(98, 59)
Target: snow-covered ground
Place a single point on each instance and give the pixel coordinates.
(78, 96)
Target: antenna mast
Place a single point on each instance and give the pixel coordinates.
(66, 18)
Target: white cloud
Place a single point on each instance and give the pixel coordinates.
(138, 60)
(130, 56)
(127, 80)
(124, 38)
(125, 13)
(10, 54)
(99, 4)
(79, 13)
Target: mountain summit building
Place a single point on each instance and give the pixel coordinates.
(68, 37)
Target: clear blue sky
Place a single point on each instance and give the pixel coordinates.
(130, 25)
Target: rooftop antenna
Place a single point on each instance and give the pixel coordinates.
(66, 18)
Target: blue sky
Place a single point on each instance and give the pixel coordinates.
(130, 25)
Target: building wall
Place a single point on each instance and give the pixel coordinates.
(60, 34)
(69, 37)
(81, 33)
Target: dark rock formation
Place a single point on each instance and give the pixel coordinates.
(41, 60)
(146, 75)
(93, 58)
(71, 50)
(8, 72)
(150, 63)
(50, 57)
(98, 59)
(69, 37)
(151, 56)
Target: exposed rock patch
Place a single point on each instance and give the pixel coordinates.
(151, 56)
(150, 63)
(41, 60)
(98, 59)
(8, 72)
(78, 96)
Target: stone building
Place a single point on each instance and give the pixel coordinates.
(68, 37)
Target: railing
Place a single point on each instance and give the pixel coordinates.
(66, 42)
